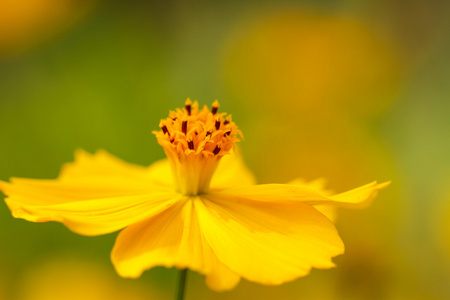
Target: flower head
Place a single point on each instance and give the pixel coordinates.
(197, 209)
(194, 141)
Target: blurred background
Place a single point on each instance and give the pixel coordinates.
(352, 91)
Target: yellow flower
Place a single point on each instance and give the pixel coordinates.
(70, 277)
(175, 213)
(27, 24)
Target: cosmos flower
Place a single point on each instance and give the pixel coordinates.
(198, 209)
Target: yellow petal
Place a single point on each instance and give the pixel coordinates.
(356, 198)
(360, 197)
(96, 194)
(170, 239)
(275, 192)
(330, 211)
(85, 216)
(99, 164)
(232, 172)
(221, 278)
(102, 164)
(48, 192)
(316, 184)
(268, 242)
(160, 173)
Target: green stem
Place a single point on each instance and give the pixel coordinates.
(181, 284)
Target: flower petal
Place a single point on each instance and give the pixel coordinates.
(93, 216)
(278, 192)
(232, 172)
(160, 173)
(330, 211)
(268, 242)
(356, 198)
(102, 164)
(171, 239)
(99, 164)
(360, 197)
(317, 184)
(221, 278)
(96, 194)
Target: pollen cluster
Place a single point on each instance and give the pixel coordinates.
(194, 140)
(191, 130)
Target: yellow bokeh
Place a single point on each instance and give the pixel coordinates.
(310, 62)
(441, 223)
(23, 24)
(2, 288)
(72, 278)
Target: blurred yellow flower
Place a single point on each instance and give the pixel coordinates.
(313, 62)
(2, 288)
(24, 23)
(71, 278)
(177, 214)
(441, 223)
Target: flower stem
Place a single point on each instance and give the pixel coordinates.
(181, 284)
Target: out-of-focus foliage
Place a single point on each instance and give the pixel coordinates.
(351, 91)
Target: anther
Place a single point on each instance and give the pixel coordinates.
(184, 126)
(165, 130)
(216, 150)
(187, 105)
(208, 133)
(215, 107)
(227, 133)
(217, 124)
(226, 122)
(191, 145)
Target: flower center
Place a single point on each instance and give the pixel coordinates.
(194, 141)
